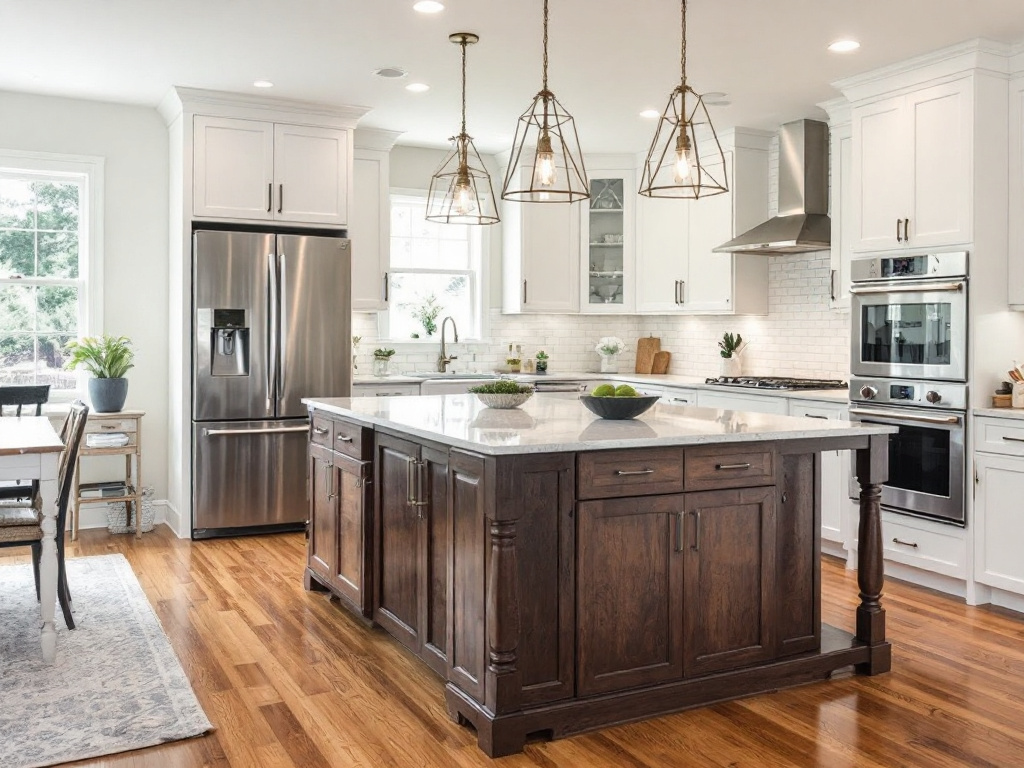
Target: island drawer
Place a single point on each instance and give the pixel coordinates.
(321, 430)
(348, 439)
(646, 472)
(718, 467)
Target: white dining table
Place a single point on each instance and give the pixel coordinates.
(30, 450)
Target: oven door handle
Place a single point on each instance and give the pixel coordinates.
(906, 416)
(954, 287)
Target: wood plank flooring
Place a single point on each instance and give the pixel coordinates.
(290, 679)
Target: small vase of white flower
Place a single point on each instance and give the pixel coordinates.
(609, 347)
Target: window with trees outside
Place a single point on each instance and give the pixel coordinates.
(435, 272)
(44, 261)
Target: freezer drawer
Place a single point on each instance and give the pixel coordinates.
(248, 476)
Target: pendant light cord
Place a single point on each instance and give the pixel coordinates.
(545, 77)
(682, 50)
(463, 85)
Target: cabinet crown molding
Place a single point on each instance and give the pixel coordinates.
(972, 55)
(837, 109)
(245, 106)
(375, 138)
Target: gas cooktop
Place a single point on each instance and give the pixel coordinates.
(776, 382)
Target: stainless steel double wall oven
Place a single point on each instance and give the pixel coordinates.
(909, 353)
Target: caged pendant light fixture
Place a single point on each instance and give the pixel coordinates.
(546, 165)
(675, 165)
(460, 190)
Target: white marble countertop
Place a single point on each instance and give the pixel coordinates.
(1000, 413)
(555, 422)
(649, 379)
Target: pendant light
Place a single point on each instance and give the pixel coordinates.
(546, 165)
(460, 190)
(676, 166)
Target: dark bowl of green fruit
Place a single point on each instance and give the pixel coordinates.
(622, 402)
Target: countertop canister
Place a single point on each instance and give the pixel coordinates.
(1018, 394)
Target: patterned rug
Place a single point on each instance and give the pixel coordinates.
(117, 684)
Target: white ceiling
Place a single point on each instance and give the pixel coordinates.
(609, 59)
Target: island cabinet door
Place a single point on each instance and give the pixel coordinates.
(629, 593)
(397, 540)
(432, 477)
(728, 546)
(352, 496)
(322, 547)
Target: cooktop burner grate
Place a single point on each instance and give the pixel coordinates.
(776, 382)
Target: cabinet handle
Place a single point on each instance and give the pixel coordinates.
(385, 287)
(1014, 439)
(904, 543)
(524, 291)
(329, 480)
(680, 400)
(745, 465)
(682, 291)
(270, 196)
(320, 431)
(813, 416)
(280, 198)
(345, 439)
(413, 481)
(680, 518)
(906, 230)
(832, 284)
(899, 237)
(108, 426)
(625, 472)
(696, 531)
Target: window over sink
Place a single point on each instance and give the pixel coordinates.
(50, 273)
(436, 271)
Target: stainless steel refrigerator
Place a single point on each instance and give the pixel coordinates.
(271, 324)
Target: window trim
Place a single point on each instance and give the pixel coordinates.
(91, 169)
(480, 290)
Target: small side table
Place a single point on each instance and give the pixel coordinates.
(128, 490)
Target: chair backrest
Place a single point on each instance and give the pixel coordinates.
(18, 396)
(79, 414)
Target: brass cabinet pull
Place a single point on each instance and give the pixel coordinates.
(904, 543)
(626, 472)
(745, 465)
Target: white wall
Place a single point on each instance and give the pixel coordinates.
(133, 141)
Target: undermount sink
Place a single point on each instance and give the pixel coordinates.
(445, 376)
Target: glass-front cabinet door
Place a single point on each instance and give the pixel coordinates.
(608, 243)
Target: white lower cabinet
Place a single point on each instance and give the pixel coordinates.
(733, 401)
(673, 396)
(384, 389)
(936, 547)
(999, 505)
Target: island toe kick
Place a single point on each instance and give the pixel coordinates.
(559, 592)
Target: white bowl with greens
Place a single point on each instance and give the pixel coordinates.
(502, 393)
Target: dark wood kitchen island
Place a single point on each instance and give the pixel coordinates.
(564, 573)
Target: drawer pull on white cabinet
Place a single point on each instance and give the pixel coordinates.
(904, 543)
(814, 416)
(745, 465)
(1014, 439)
(625, 472)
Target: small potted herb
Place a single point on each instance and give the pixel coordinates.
(514, 364)
(542, 362)
(108, 359)
(382, 361)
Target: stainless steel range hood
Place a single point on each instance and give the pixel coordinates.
(802, 224)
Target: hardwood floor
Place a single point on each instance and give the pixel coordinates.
(290, 679)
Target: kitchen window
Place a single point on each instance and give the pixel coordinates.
(436, 271)
(49, 265)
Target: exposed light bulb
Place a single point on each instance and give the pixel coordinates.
(544, 173)
(683, 165)
(463, 203)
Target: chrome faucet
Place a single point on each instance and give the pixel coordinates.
(444, 359)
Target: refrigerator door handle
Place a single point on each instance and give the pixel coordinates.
(272, 338)
(281, 312)
(267, 431)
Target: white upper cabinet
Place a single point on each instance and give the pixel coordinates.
(607, 242)
(541, 257)
(912, 169)
(370, 230)
(248, 169)
(662, 249)
(233, 169)
(1016, 260)
(709, 283)
(840, 200)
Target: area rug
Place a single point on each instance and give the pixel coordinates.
(116, 685)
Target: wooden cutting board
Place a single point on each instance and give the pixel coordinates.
(661, 361)
(645, 349)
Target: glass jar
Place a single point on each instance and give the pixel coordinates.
(381, 366)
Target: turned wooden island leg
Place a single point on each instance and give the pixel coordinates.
(872, 471)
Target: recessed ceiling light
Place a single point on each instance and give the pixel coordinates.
(390, 73)
(263, 84)
(428, 6)
(417, 87)
(650, 114)
(844, 46)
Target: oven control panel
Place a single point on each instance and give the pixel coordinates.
(919, 393)
(894, 268)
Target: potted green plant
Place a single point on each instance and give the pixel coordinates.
(542, 362)
(108, 359)
(729, 348)
(382, 361)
